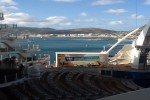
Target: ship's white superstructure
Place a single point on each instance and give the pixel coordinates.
(134, 54)
(141, 48)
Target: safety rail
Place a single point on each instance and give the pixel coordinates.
(9, 79)
(28, 47)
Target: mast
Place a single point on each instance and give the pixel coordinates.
(1, 16)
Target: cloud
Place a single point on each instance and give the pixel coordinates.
(65, 0)
(7, 6)
(107, 2)
(66, 23)
(116, 23)
(15, 17)
(116, 11)
(8, 9)
(9, 2)
(147, 2)
(55, 20)
(85, 20)
(83, 14)
(134, 16)
(22, 19)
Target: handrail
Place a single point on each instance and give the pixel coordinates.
(11, 77)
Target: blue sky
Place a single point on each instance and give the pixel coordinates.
(68, 14)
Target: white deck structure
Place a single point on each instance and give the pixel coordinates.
(136, 53)
(141, 47)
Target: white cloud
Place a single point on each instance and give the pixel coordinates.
(85, 20)
(9, 2)
(116, 23)
(83, 14)
(24, 19)
(116, 11)
(55, 20)
(66, 24)
(20, 18)
(8, 9)
(65, 0)
(134, 16)
(147, 2)
(7, 6)
(107, 2)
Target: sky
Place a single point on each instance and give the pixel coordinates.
(117, 15)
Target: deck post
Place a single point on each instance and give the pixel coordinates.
(5, 77)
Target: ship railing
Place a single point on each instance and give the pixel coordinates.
(2, 50)
(35, 58)
(44, 59)
(19, 36)
(7, 38)
(8, 26)
(6, 80)
(29, 47)
(9, 64)
(10, 36)
(6, 49)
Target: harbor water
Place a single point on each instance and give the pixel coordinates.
(51, 45)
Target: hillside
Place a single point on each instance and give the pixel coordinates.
(22, 30)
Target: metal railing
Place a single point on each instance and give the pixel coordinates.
(11, 77)
(8, 26)
(28, 47)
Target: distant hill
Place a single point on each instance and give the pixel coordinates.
(34, 30)
(93, 30)
(22, 30)
(68, 31)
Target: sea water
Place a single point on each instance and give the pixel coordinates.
(50, 45)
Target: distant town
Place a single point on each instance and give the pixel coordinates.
(24, 32)
(79, 32)
(98, 35)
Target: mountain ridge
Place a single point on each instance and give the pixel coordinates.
(64, 31)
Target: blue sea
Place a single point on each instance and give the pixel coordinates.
(51, 45)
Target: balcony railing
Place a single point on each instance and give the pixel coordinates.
(8, 26)
(29, 47)
(9, 77)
